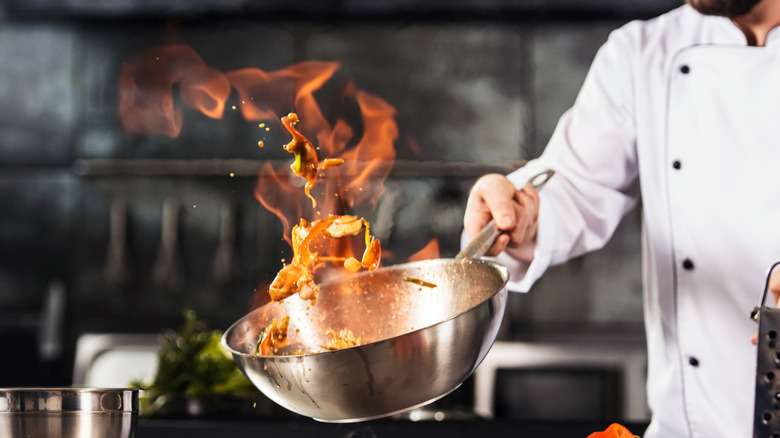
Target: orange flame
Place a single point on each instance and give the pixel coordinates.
(279, 196)
(375, 152)
(146, 107)
(266, 96)
(367, 164)
(146, 104)
(205, 89)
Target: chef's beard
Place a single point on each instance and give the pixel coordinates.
(723, 8)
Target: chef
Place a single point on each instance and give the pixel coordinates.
(683, 112)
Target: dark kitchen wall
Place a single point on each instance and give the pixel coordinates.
(477, 87)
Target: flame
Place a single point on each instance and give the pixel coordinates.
(146, 103)
(375, 152)
(205, 89)
(279, 196)
(430, 251)
(268, 96)
(367, 164)
(147, 107)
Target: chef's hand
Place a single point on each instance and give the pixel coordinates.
(774, 287)
(515, 212)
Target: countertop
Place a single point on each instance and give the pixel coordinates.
(287, 428)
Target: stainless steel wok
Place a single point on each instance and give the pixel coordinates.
(419, 343)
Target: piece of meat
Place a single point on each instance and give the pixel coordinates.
(293, 279)
(285, 283)
(343, 339)
(341, 226)
(297, 276)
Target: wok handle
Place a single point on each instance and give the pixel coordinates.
(488, 234)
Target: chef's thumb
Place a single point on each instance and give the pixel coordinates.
(505, 222)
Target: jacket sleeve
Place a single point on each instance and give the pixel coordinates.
(593, 152)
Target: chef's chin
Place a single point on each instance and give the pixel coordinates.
(723, 8)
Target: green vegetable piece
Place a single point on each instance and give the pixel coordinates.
(259, 341)
(419, 282)
(297, 162)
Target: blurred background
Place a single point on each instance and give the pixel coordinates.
(107, 231)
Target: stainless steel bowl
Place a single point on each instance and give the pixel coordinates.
(68, 412)
(420, 343)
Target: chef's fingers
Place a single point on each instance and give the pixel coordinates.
(492, 197)
(498, 246)
(527, 216)
(532, 211)
(774, 285)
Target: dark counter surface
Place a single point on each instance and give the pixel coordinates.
(152, 428)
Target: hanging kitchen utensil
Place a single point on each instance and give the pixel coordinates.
(766, 411)
(167, 270)
(425, 327)
(223, 267)
(117, 270)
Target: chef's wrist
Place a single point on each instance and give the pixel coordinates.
(524, 252)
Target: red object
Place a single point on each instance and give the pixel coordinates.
(613, 431)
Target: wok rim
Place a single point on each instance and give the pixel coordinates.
(503, 270)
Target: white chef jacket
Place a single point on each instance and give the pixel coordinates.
(679, 111)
